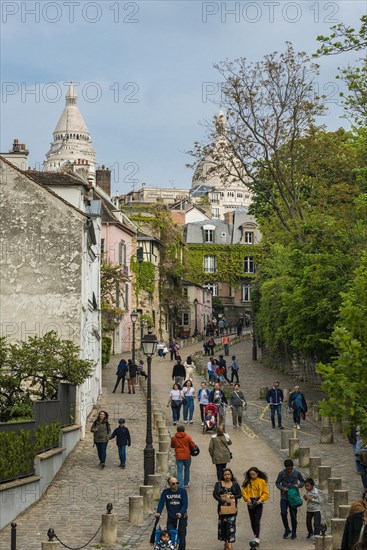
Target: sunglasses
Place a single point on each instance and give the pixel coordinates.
(174, 482)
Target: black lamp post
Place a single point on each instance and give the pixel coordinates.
(134, 317)
(149, 345)
(196, 317)
(254, 345)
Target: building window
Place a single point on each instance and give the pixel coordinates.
(249, 237)
(215, 198)
(121, 245)
(230, 194)
(185, 320)
(208, 235)
(246, 293)
(249, 266)
(215, 213)
(212, 287)
(210, 264)
(185, 292)
(102, 246)
(239, 195)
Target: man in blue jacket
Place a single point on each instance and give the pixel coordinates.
(275, 399)
(287, 478)
(176, 502)
(121, 374)
(123, 440)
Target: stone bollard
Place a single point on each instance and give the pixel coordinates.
(164, 446)
(136, 510)
(340, 497)
(263, 392)
(344, 511)
(161, 424)
(163, 432)
(323, 543)
(161, 462)
(326, 431)
(146, 491)
(324, 474)
(109, 529)
(304, 457)
(286, 393)
(316, 413)
(293, 448)
(315, 462)
(155, 480)
(337, 530)
(285, 436)
(333, 484)
(51, 545)
(337, 425)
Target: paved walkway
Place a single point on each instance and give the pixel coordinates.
(76, 499)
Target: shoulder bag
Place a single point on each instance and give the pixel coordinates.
(244, 404)
(228, 509)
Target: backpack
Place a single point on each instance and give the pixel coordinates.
(294, 498)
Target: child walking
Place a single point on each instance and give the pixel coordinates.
(313, 499)
(123, 440)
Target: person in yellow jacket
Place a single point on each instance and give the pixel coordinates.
(255, 492)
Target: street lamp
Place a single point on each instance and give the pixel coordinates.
(149, 345)
(196, 317)
(134, 317)
(254, 344)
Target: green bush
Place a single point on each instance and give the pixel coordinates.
(106, 350)
(19, 449)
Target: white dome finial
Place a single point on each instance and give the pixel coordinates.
(71, 95)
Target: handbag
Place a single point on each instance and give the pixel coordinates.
(183, 400)
(303, 415)
(228, 509)
(194, 451)
(127, 375)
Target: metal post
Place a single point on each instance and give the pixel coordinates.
(13, 535)
(254, 347)
(133, 353)
(149, 453)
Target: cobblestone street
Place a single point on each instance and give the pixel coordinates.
(79, 493)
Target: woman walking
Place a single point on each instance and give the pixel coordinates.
(203, 397)
(101, 431)
(187, 395)
(297, 403)
(176, 403)
(219, 451)
(132, 376)
(189, 368)
(255, 492)
(238, 403)
(227, 492)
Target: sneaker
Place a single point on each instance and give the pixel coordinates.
(191, 421)
(286, 534)
(185, 421)
(273, 426)
(102, 466)
(294, 425)
(293, 536)
(298, 427)
(257, 540)
(281, 427)
(202, 423)
(174, 423)
(123, 466)
(310, 536)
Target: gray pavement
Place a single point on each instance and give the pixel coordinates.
(76, 499)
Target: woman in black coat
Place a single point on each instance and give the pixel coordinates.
(353, 526)
(227, 491)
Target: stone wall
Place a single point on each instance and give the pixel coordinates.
(297, 364)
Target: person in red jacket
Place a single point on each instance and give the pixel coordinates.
(182, 442)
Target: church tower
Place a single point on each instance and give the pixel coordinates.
(71, 149)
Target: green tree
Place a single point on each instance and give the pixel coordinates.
(31, 370)
(345, 377)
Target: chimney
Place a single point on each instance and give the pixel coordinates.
(229, 217)
(103, 179)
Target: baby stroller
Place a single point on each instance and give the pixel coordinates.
(210, 418)
(174, 540)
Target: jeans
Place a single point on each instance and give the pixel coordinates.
(297, 416)
(102, 452)
(188, 408)
(237, 415)
(183, 472)
(255, 517)
(119, 377)
(182, 528)
(276, 409)
(235, 375)
(226, 349)
(316, 522)
(179, 380)
(176, 413)
(284, 505)
(220, 468)
(363, 471)
(211, 376)
(122, 453)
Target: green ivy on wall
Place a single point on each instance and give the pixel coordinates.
(229, 262)
(144, 276)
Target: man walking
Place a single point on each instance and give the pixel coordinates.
(225, 342)
(179, 373)
(121, 374)
(287, 478)
(176, 501)
(275, 399)
(223, 363)
(182, 442)
(234, 368)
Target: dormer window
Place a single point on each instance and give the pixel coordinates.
(249, 237)
(209, 233)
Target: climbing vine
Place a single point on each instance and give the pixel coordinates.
(144, 276)
(229, 262)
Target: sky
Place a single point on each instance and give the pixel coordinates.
(146, 81)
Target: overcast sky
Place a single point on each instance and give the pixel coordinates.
(145, 72)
